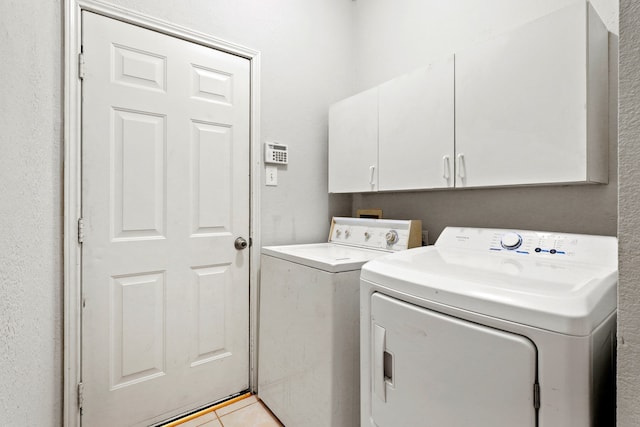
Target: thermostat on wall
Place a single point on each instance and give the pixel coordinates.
(276, 153)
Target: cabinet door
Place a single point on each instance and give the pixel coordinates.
(417, 130)
(353, 143)
(435, 370)
(523, 99)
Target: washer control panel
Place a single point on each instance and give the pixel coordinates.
(385, 234)
(576, 247)
(533, 243)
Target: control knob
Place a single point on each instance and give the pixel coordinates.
(391, 237)
(511, 241)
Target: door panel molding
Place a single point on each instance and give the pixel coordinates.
(72, 180)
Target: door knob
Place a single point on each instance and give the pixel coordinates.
(240, 243)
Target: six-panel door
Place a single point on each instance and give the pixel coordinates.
(165, 191)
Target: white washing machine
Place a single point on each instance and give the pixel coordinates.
(308, 355)
(491, 328)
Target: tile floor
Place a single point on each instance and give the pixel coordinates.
(248, 412)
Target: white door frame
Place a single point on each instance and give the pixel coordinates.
(73, 190)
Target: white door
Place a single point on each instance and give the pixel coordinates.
(353, 143)
(531, 104)
(165, 193)
(439, 371)
(416, 129)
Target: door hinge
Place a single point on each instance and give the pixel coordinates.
(80, 395)
(81, 68)
(536, 396)
(80, 230)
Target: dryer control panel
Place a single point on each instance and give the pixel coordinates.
(575, 247)
(384, 234)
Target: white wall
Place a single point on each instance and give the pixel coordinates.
(305, 53)
(30, 213)
(391, 40)
(305, 50)
(629, 219)
(306, 58)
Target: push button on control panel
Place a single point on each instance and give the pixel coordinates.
(550, 251)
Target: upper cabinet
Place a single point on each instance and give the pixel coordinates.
(416, 129)
(532, 105)
(353, 144)
(529, 107)
(398, 136)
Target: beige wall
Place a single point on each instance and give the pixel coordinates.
(629, 218)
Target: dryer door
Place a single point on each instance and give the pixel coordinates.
(433, 370)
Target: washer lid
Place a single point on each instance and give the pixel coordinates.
(556, 294)
(330, 257)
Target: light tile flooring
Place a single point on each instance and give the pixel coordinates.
(248, 412)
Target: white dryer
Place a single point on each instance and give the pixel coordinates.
(491, 328)
(308, 342)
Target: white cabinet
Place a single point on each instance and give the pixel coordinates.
(532, 105)
(398, 136)
(353, 143)
(416, 129)
(528, 107)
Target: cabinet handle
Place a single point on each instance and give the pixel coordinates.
(460, 167)
(379, 384)
(372, 169)
(446, 169)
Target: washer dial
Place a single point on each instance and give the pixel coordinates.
(391, 237)
(511, 241)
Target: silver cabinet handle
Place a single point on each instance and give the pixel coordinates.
(460, 167)
(372, 170)
(240, 243)
(446, 168)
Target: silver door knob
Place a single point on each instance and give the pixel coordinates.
(241, 243)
